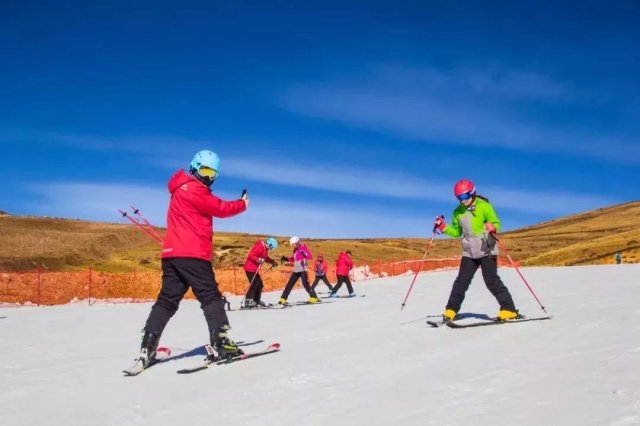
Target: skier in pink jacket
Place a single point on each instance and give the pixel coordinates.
(301, 255)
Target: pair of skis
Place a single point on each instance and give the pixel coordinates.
(274, 347)
(494, 321)
(139, 366)
(344, 297)
(256, 308)
(278, 306)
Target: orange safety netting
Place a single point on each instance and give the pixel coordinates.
(43, 287)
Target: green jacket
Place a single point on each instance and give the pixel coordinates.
(468, 222)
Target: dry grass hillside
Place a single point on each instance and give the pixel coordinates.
(587, 238)
(62, 244)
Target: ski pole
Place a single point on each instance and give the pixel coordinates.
(506, 252)
(418, 271)
(150, 227)
(252, 279)
(142, 228)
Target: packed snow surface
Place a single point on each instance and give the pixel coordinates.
(359, 361)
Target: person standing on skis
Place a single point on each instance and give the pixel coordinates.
(476, 222)
(344, 264)
(320, 268)
(256, 257)
(186, 256)
(301, 254)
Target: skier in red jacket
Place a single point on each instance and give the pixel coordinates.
(256, 257)
(186, 256)
(321, 267)
(344, 264)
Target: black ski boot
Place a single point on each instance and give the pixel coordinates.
(148, 348)
(249, 304)
(223, 347)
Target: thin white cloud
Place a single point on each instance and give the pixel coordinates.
(265, 215)
(323, 220)
(284, 216)
(381, 183)
(94, 201)
(151, 145)
(350, 180)
(459, 107)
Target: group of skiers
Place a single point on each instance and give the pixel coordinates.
(299, 259)
(186, 257)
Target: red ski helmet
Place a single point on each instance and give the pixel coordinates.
(462, 187)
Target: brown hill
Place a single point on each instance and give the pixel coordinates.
(62, 244)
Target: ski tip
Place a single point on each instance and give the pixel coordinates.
(132, 372)
(274, 346)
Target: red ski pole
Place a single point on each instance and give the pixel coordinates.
(150, 227)
(506, 252)
(404, 302)
(142, 228)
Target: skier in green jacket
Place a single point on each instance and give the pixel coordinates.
(476, 222)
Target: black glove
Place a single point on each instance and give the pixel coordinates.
(284, 260)
(273, 263)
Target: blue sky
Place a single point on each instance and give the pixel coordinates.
(343, 119)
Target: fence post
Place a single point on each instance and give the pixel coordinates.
(90, 286)
(235, 284)
(38, 286)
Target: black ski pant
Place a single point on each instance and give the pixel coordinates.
(255, 286)
(322, 278)
(178, 274)
(292, 281)
(343, 279)
(468, 268)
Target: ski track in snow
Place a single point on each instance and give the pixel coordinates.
(357, 361)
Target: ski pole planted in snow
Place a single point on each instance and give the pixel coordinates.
(252, 279)
(506, 252)
(404, 302)
(251, 283)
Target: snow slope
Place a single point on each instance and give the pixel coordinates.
(352, 362)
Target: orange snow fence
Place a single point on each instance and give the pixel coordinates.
(43, 287)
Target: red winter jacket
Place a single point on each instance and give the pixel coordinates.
(344, 264)
(189, 219)
(257, 252)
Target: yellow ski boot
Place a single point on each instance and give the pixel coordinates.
(449, 315)
(313, 300)
(505, 315)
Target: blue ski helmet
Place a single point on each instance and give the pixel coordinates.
(205, 158)
(271, 243)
